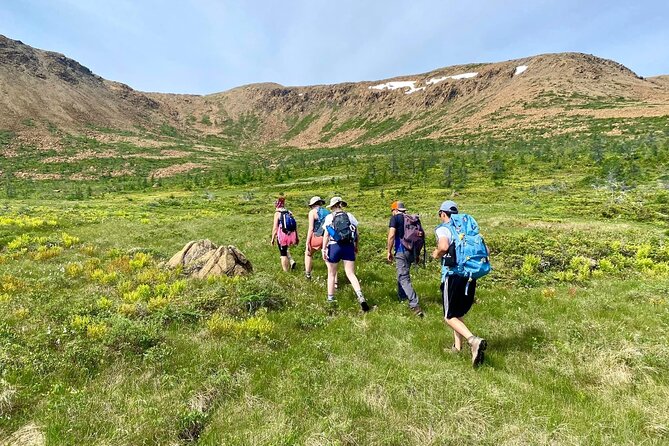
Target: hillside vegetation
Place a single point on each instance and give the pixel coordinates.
(564, 165)
(100, 345)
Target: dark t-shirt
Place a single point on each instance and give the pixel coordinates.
(397, 222)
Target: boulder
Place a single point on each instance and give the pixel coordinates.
(202, 259)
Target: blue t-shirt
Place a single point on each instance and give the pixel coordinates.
(397, 222)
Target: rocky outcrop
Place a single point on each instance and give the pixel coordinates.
(202, 258)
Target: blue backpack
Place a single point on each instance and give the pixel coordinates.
(287, 222)
(318, 228)
(469, 249)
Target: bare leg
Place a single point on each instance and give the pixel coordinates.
(457, 337)
(285, 263)
(459, 327)
(308, 262)
(332, 276)
(349, 268)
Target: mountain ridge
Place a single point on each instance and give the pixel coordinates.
(543, 92)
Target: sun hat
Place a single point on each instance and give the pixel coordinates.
(316, 200)
(449, 206)
(398, 206)
(337, 200)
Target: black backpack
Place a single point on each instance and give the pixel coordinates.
(342, 231)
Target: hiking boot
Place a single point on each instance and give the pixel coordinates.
(478, 347)
(418, 311)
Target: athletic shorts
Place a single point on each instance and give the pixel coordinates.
(337, 252)
(283, 250)
(453, 297)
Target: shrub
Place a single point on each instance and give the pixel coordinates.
(258, 327)
(177, 287)
(136, 336)
(219, 325)
(141, 293)
(68, 240)
(79, 322)
(607, 266)
(73, 269)
(104, 303)
(548, 293)
(157, 303)
(128, 309)
(96, 330)
(140, 260)
(260, 292)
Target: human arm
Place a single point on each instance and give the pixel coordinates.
(443, 242)
(390, 243)
(326, 241)
(275, 228)
(310, 230)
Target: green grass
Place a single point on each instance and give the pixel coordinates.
(100, 345)
(300, 126)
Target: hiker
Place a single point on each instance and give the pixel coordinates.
(284, 233)
(457, 290)
(316, 218)
(340, 243)
(405, 238)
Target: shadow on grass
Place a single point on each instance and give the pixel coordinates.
(500, 349)
(531, 338)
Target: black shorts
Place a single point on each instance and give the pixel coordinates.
(456, 297)
(283, 250)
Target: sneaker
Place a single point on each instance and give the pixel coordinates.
(307, 275)
(331, 300)
(364, 305)
(478, 347)
(293, 264)
(418, 311)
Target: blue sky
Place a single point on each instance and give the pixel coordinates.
(206, 46)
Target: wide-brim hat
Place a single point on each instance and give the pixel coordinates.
(316, 200)
(337, 200)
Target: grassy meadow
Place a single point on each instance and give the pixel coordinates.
(99, 345)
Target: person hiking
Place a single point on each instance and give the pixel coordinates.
(404, 255)
(284, 233)
(316, 218)
(340, 243)
(457, 291)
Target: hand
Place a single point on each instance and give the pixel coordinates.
(272, 241)
(297, 241)
(325, 254)
(355, 249)
(309, 250)
(390, 257)
(435, 254)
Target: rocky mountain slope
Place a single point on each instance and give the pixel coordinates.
(549, 93)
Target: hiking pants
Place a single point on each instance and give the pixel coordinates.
(405, 290)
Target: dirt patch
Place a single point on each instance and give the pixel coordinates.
(37, 176)
(83, 155)
(176, 169)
